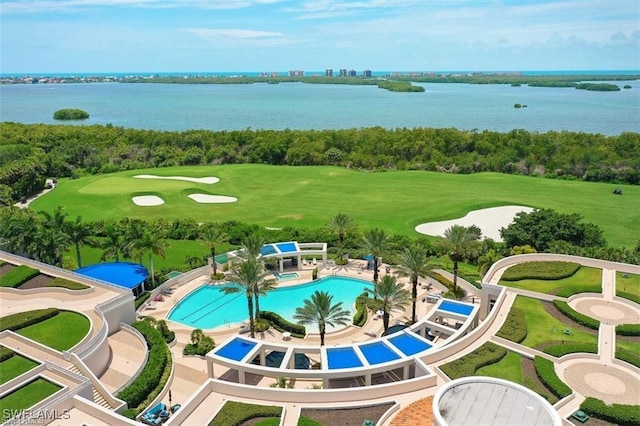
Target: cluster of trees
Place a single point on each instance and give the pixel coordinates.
(31, 153)
(70, 114)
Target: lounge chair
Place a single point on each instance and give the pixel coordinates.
(149, 306)
(315, 262)
(167, 291)
(152, 417)
(304, 262)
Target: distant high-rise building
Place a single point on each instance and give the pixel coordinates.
(328, 72)
(343, 72)
(367, 73)
(296, 73)
(352, 73)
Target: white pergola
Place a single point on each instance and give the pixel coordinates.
(286, 250)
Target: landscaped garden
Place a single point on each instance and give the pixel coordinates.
(13, 364)
(26, 396)
(628, 286)
(558, 278)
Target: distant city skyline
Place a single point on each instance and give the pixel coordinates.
(137, 36)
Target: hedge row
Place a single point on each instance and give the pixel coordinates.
(571, 348)
(547, 375)
(71, 285)
(17, 276)
(487, 354)
(514, 327)
(540, 271)
(630, 296)
(5, 353)
(235, 413)
(631, 357)
(575, 289)
(281, 324)
(624, 415)
(154, 374)
(628, 329)
(141, 299)
(360, 317)
(24, 319)
(576, 316)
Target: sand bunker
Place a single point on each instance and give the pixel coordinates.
(205, 198)
(147, 200)
(208, 180)
(488, 220)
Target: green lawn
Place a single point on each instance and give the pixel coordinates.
(507, 368)
(61, 332)
(15, 366)
(26, 397)
(543, 328)
(278, 196)
(588, 279)
(628, 283)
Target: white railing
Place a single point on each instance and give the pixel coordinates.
(114, 402)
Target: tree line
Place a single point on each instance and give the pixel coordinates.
(30, 153)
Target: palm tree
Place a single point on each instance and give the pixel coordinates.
(486, 260)
(113, 243)
(153, 243)
(319, 311)
(262, 288)
(247, 275)
(459, 243)
(376, 242)
(252, 247)
(341, 224)
(17, 227)
(48, 245)
(391, 296)
(212, 236)
(80, 233)
(414, 264)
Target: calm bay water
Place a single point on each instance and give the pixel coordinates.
(308, 106)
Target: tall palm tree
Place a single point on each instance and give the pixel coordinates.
(17, 227)
(252, 246)
(56, 220)
(414, 264)
(341, 224)
(80, 233)
(319, 310)
(459, 243)
(246, 275)
(486, 260)
(376, 242)
(49, 244)
(212, 236)
(391, 296)
(112, 243)
(134, 230)
(151, 242)
(262, 288)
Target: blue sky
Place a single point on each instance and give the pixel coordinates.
(41, 36)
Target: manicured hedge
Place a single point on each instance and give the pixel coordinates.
(547, 375)
(17, 276)
(628, 356)
(71, 285)
(487, 354)
(576, 316)
(139, 394)
(141, 299)
(624, 415)
(571, 348)
(628, 329)
(281, 324)
(540, 271)
(23, 319)
(235, 413)
(631, 296)
(514, 327)
(360, 317)
(575, 289)
(5, 353)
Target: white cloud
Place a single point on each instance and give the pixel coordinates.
(233, 33)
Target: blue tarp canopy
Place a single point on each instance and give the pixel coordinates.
(123, 274)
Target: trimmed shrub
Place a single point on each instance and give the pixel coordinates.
(540, 271)
(633, 297)
(624, 415)
(70, 114)
(71, 285)
(5, 353)
(576, 316)
(24, 319)
(200, 344)
(235, 413)
(218, 277)
(282, 325)
(18, 276)
(153, 376)
(571, 348)
(628, 356)
(628, 329)
(141, 299)
(547, 375)
(360, 317)
(487, 354)
(261, 325)
(575, 289)
(514, 327)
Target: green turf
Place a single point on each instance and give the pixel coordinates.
(544, 328)
(507, 368)
(309, 196)
(61, 332)
(628, 283)
(26, 397)
(589, 278)
(15, 366)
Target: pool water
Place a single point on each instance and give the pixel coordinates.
(456, 308)
(209, 307)
(286, 276)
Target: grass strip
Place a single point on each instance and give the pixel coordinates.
(68, 284)
(18, 276)
(25, 397)
(15, 366)
(235, 413)
(576, 316)
(488, 353)
(60, 332)
(20, 320)
(571, 348)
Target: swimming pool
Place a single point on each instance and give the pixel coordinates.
(456, 308)
(286, 276)
(209, 307)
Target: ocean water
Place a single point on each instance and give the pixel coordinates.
(308, 106)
